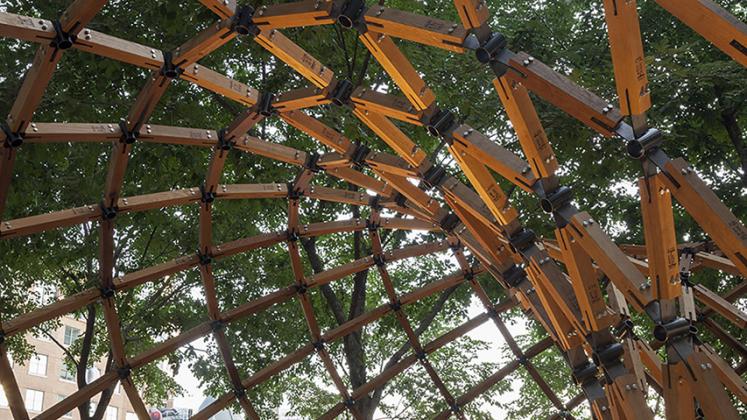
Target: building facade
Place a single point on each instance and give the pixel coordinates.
(44, 379)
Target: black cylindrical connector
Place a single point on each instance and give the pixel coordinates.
(350, 13)
(341, 94)
(490, 49)
(265, 104)
(556, 199)
(677, 327)
(440, 123)
(242, 23)
(608, 355)
(638, 148)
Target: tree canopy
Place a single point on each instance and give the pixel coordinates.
(699, 102)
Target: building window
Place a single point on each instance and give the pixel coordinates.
(66, 374)
(67, 415)
(34, 400)
(38, 365)
(71, 334)
(111, 413)
(92, 373)
(3, 399)
(130, 416)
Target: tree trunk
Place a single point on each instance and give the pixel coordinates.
(729, 120)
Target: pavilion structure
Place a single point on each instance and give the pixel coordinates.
(579, 285)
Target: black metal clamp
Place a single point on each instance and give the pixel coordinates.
(128, 137)
(379, 260)
(239, 392)
(243, 23)
(206, 196)
(358, 156)
(489, 50)
(204, 259)
(264, 106)
(678, 327)
(224, 143)
(108, 212)
(319, 345)
(434, 176)
(169, 69)
(514, 275)
(441, 123)
(400, 199)
(62, 40)
(625, 328)
(492, 313)
(107, 292)
(396, 305)
(217, 325)
(522, 240)
(341, 93)
(312, 162)
(12, 139)
(372, 226)
(293, 192)
(585, 373)
(608, 355)
(301, 288)
(557, 199)
(641, 147)
(449, 222)
(350, 14)
(124, 372)
(374, 202)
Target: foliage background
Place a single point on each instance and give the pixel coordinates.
(699, 102)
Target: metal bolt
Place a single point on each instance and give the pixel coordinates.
(531, 59)
(525, 170)
(525, 62)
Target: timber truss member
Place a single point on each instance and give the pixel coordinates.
(610, 363)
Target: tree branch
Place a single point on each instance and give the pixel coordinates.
(422, 326)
